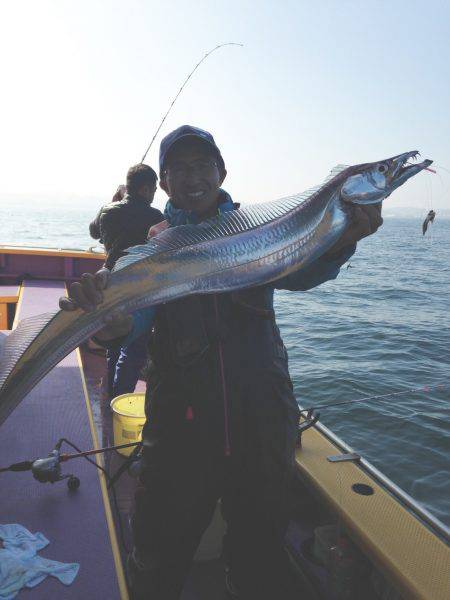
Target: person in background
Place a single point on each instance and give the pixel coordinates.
(120, 193)
(222, 418)
(121, 224)
(125, 223)
(94, 227)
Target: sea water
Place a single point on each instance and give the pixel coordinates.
(382, 326)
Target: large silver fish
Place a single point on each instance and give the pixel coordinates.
(252, 246)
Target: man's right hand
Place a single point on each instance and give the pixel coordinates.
(87, 295)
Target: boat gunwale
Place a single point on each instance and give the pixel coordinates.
(417, 510)
(58, 252)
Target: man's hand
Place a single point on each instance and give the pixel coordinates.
(365, 220)
(87, 295)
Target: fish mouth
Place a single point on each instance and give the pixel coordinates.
(403, 169)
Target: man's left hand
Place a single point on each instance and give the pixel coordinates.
(365, 220)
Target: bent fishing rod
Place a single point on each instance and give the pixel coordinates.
(311, 414)
(424, 389)
(181, 89)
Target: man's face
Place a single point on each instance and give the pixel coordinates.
(192, 178)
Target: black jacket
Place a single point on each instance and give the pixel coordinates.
(94, 227)
(123, 224)
(211, 356)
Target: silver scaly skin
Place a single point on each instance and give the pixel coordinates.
(252, 246)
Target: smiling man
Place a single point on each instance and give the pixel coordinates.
(221, 414)
(192, 170)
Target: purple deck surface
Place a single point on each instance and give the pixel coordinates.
(74, 522)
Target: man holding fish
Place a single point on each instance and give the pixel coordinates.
(221, 414)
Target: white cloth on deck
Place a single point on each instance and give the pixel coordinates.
(20, 565)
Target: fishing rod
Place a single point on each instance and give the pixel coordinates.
(181, 89)
(424, 389)
(48, 470)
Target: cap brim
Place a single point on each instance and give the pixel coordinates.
(195, 137)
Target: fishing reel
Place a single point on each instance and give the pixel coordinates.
(48, 470)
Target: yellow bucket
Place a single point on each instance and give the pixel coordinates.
(128, 420)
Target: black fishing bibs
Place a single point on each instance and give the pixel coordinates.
(180, 337)
(242, 322)
(207, 353)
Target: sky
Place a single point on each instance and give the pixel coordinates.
(86, 83)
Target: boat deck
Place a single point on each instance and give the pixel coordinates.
(89, 526)
(206, 580)
(83, 526)
(78, 524)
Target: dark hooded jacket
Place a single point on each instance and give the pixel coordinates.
(121, 225)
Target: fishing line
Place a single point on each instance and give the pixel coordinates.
(444, 168)
(109, 479)
(445, 187)
(430, 193)
(424, 389)
(181, 89)
(439, 167)
(440, 179)
(430, 207)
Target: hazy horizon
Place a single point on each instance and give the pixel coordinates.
(86, 84)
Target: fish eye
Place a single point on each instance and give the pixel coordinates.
(382, 168)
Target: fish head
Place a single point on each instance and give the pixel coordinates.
(371, 183)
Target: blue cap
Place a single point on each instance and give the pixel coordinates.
(183, 132)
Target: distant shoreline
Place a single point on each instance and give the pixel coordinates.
(443, 216)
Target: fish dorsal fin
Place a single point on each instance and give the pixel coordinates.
(12, 346)
(226, 224)
(335, 171)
